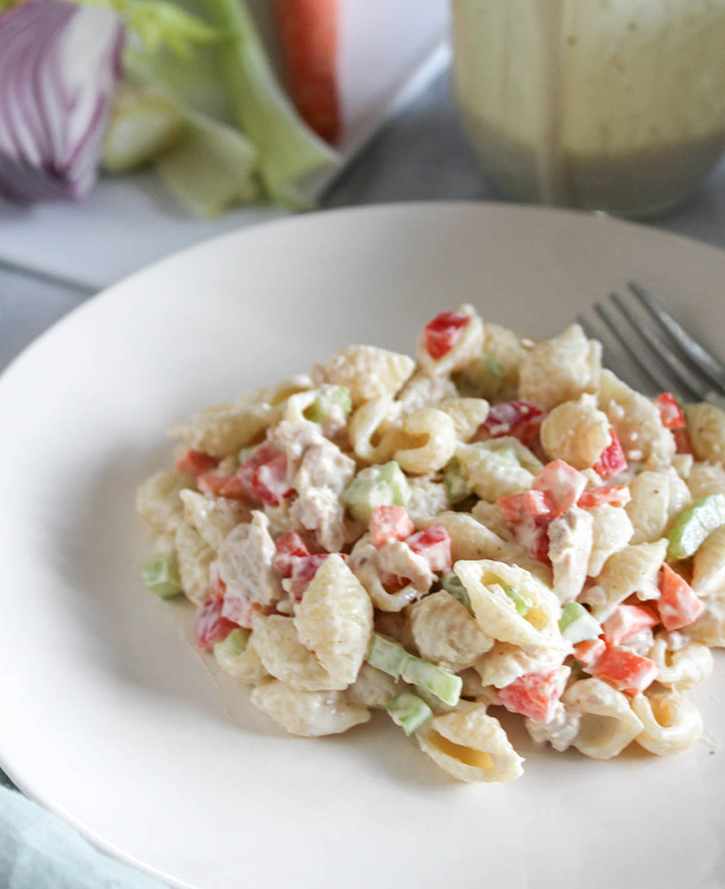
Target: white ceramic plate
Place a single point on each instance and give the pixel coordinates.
(112, 721)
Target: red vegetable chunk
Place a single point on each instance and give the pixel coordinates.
(290, 546)
(612, 459)
(615, 495)
(195, 462)
(211, 625)
(629, 672)
(527, 505)
(589, 652)
(520, 418)
(627, 621)
(670, 411)
(562, 484)
(678, 603)
(443, 332)
(535, 695)
(434, 545)
(390, 523)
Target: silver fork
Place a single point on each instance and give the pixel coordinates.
(688, 370)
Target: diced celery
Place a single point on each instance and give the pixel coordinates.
(455, 481)
(386, 655)
(451, 584)
(408, 711)
(443, 684)
(161, 576)
(577, 624)
(336, 398)
(245, 453)
(482, 377)
(508, 452)
(694, 525)
(522, 604)
(384, 485)
(234, 644)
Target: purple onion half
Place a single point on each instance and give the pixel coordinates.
(59, 67)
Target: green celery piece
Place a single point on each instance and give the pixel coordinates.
(577, 624)
(442, 683)
(145, 121)
(337, 397)
(291, 157)
(483, 377)
(384, 485)
(158, 23)
(694, 525)
(452, 585)
(522, 604)
(210, 167)
(235, 643)
(455, 481)
(245, 453)
(161, 576)
(386, 655)
(408, 711)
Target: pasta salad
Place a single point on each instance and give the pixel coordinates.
(500, 523)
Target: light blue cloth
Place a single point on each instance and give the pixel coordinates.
(40, 851)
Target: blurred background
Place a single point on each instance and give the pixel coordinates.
(133, 128)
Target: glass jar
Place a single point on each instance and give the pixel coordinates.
(615, 105)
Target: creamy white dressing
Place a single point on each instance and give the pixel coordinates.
(608, 104)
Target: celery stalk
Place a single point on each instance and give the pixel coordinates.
(291, 157)
(209, 167)
(408, 711)
(439, 682)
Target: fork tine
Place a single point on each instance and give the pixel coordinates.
(649, 368)
(677, 369)
(713, 369)
(608, 357)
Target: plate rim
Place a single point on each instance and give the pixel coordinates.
(414, 208)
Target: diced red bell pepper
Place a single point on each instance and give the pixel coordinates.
(211, 626)
(534, 535)
(562, 484)
(683, 444)
(304, 569)
(195, 462)
(678, 603)
(535, 695)
(434, 545)
(520, 418)
(589, 652)
(670, 411)
(612, 459)
(627, 621)
(213, 483)
(390, 523)
(615, 495)
(625, 670)
(290, 546)
(393, 583)
(528, 505)
(241, 610)
(239, 485)
(269, 482)
(443, 332)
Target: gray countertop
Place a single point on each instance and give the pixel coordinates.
(421, 155)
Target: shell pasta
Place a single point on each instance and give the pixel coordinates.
(494, 525)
